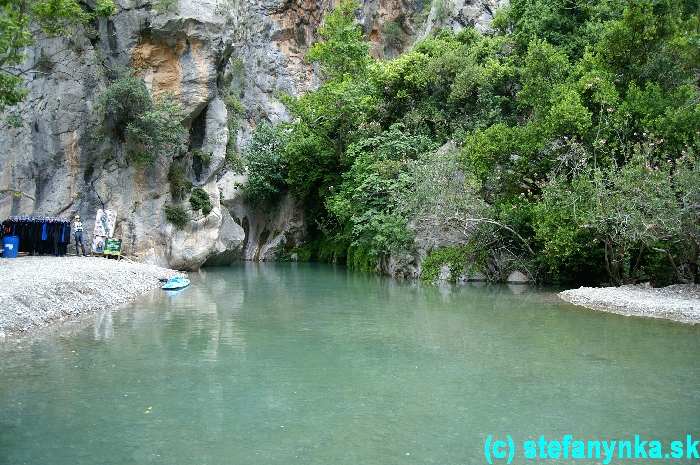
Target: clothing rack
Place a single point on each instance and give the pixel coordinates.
(39, 234)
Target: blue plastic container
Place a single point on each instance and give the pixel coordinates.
(10, 246)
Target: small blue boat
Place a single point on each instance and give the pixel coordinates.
(175, 283)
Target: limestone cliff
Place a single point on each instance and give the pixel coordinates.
(202, 51)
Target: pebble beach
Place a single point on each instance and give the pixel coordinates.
(679, 302)
(37, 291)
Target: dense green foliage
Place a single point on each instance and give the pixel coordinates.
(202, 157)
(177, 216)
(235, 110)
(123, 101)
(575, 128)
(367, 204)
(158, 132)
(199, 199)
(180, 184)
(266, 165)
(342, 49)
(150, 128)
(454, 257)
(17, 19)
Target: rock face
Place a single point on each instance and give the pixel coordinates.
(517, 277)
(459, 14)
(269, 232)
(204, 52)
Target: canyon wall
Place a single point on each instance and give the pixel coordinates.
(55, 162)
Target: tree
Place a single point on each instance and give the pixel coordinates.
(122, 102)
(21, 21)
(266, 166)
(628, 210)
(150, 129)
(342, 49)
(158, 132)
(687, 183)
(547, 116)
(442, 200)
(367, 202)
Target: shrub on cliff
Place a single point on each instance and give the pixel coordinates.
(177, 216)
(199, 199)
(149, 128)
(342, 49)
(122, 102)
(104, 8)
(159, 130)
(180, 185)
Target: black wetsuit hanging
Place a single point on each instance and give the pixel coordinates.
(39, 235)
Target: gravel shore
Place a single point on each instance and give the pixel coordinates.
(36, 291)
(680, 302)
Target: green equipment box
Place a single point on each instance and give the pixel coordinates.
(113, 247)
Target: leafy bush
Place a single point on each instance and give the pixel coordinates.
(236, 110)
(627, 210)
(234, 106)
(234, 161)
(359, 258)
(105, 8)
(457, 258)
(149, 129)
(441, 199)
(568, 247)
(140, 158)
(367, 200)
(199, 199)
(687, 184)
(202, 157)
(267, 168)
(310, 160)
(123, 102)
(342, 49)
(159, 132)
(180, 185)
(177, 216)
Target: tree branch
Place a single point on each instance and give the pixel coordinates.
(507, 228)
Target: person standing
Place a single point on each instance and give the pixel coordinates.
(78, 234)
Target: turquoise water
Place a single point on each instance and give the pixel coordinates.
(306, 364)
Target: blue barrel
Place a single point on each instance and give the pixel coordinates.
(10, 246)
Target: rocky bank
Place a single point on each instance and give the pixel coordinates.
(36, 291)
(54, 162)
(679, 302)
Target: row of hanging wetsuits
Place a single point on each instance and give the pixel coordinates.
(39, 235)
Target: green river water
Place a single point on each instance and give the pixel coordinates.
(309, 364)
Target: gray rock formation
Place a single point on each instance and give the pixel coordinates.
(459, 14)
(204, 52)
(517, 277)
(270, 232)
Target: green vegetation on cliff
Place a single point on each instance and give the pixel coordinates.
(149, 128)
(199, 200)
(569, 138)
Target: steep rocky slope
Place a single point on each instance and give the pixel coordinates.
(202, 51)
